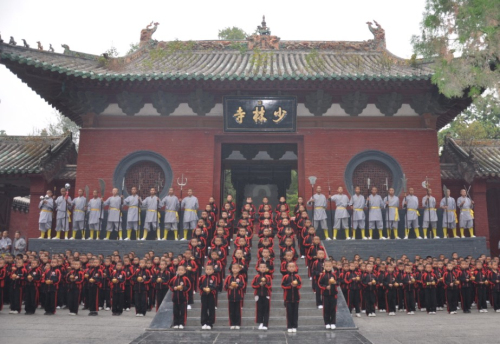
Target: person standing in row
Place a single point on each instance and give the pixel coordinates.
(79, 214)
(410, 202)
(46, 207)
(94, 209)
(171, 204)
(466, 214)
(133, 202)
(392, 206)
(375, 214)
(114, 212)
(151, 222)
(358, 213)
(63, 216)
(190, 207)
(318, 202)
(450, 214)
(429, 203)
(341, 214)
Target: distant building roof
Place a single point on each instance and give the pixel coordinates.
(24, 155)
(21, 203)
(460, 160)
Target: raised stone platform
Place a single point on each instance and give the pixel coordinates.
(106, 247)
(411, 247)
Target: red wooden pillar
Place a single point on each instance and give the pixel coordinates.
(482, 227)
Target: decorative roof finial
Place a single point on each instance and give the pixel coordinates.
(26, 45)
(378, 35)
(40, 46)
(264, 30)
(12, 41)
(51, 49)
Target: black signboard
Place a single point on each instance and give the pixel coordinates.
(260, 114)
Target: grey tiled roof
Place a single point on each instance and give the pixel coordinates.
(67, 173)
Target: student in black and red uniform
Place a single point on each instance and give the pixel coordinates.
(105, 290)
(465, 275)
(235, 286)
(353, 280)
(161, 280)
(51, 278)
(31, 286)
(369, 283)
(189, 262)
(317, 269)
(141, 279)
(480, 280)
(94, 285)
(74, 281)
(291, 284)
(327, 282)
(267, 260)
(451, 285)
(262, 284)
(494, 278)
(3, 275)
(17, 275)
(429, 281)
(409, 286)
(209, 286)
(180, 285)
(128, 295)
(118, 278)
(380, 287)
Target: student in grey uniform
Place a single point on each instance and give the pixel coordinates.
(392, 207)
(94, 208)
(412, 214)
(318, 201)
(375, 217)
(152, 220)
(341, 214)
(79, 204)
(190, 206)
(171, 204)
(46, 207)
(429, 203)
(358, 213)
(63, 203)
(114, 204)
(133, 202)
(449, 207)
(465, 205)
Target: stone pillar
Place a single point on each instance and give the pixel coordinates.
(38, 187)
(481, 224)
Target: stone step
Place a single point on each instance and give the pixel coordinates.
(248, 321)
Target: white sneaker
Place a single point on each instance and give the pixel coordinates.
(392, 313)
(320, 307)
(370, 315)
(264, 328)
(58, 307)
(72, 314)
(328, 327)
(126, 239)
(189, 306)
(485, 311)
(369, 238)
(82, 238)
(406, 238)
(100, 308)
(121, 239)
(310, 278)
(436, 237)
(71, 238)
(328, 238)
(107, 309)
(55, 238)
(419, 237)
(294, 330)
(209, 327)
(423, 310)
(138, 315)
(498, 311)
(380, 310)
(127, 309)
(348, 238)
(333, 327)
(66, 238)
(302, 257)
(374, 315)
(260, 326)
(358, 315)
(425, 237)
(232, 327)
(181, 327)
(398, 238)
(363, 311)
(290, 330)
(473, 236)
(183, 239)
(236, 327)
(105, 239)
(176, 326)
(204, 327)
(90, 239)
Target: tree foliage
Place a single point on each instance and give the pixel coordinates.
(62, 126)
(232, 33)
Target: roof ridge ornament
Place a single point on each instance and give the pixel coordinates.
(378, 35)
(264, 30)
(147, 33)
(262, 38)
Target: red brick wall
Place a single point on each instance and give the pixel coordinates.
(18, 222)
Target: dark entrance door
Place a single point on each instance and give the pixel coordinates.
(259, 170)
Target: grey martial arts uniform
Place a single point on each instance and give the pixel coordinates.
(466, 214)
(94, 210)
(171, 204)
(375, 219)
(151, 203)
(114, 211)
(393, 211)
(133, 211)
(358, 212)
(79, 213)
(45, 219)
(449, 215)
(411, 211)
(62, 218)
(341, 214)
(432, 211)
(190, 206)
(319, 211)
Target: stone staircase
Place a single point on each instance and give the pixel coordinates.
(310, 316)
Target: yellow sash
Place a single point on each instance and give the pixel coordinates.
(415, 210)
(173, 211)
(95, 209)
(396, 213)
(470, 211)
(46, 211)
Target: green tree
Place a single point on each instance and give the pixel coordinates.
(3, 133)
(232, 33)
(62, 126)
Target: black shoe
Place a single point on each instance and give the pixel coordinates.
(114, 314)
(48, 313)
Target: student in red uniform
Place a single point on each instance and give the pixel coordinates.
(480, 280)
(105, 290)
(118, 278)
(429, 281)
(141, 279)
(235, 286)
(74, 281)
(128, 295)
(291, 284)
(409, 287)
(466, 288)
(192, 269)
(391, 294)
(94, 280)
(180, 285)
(262, 284)
(51, 278)
(451, 285)
(317, 268)
(17, 275)
(327, 282)
(209, 286)
(495, 286)
(31, 286)
(162, 281)
(353, 280)
(369, 282)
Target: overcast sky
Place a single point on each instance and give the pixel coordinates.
(94, 26)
